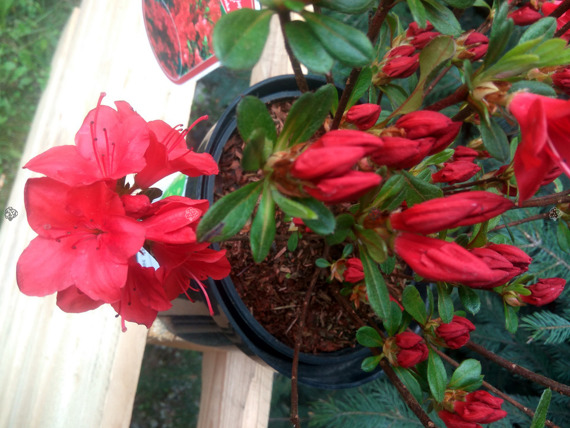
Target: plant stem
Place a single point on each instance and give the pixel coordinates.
(459, 95)
(407, 396)
(524, 220)
(564, 6)
(565, 28)
(498, 392)
(284, 18)
(470, 184)
(542, 201)
(373, 31)
(521, 371)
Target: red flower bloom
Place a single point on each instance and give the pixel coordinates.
(401, 153)
(85, 240)
(545, 291)
(460, 209)
(168, 153)
(429, 124)
(456, 172)
(354, 272)
(109, 145)
(561, 79)
(420, 37)
(443, 261)
(456, 333)
(480, 407)
(345, 188)
(411, 349)
(545, 142)
(401, 62)
(364, 116)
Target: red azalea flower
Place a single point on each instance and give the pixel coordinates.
(456, 333)
(410, 349)
(480, 407)
(167, 153)
(85, 240)
(515, 255)
(452, 420)
(561, 79)
(420, 37)
(474, 44)
(462, 153)
(109, 145)
(545, 291)
(456, 172)
(349, 139)
(545, 142)
(525, 15)
(460, 209)
(321, 162)
(443, 261)
(401, 66)
(346, 188)
(401, 153)
(429, 124)
(354, 272)
(364, 116)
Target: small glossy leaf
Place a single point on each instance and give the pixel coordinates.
(442, 18)
(495, 140)
(262, 232)
(325, 222)
(414, 304)
(535, 87)
(444, 302)
(418, 190)
(322, 263)
(392, 193)
(392, 324)
(460, 4)
(292, 207)
(410, 381)
(239, 37)
(467, 376)
(500, 34)
(542, 409)
(418, 12)
(344, 223)
(511, 319)
(370, 363)
(307, 47)
(469, 299)
(396, 94)
(229, 214)
(437, 377)
(361, 86)
(375, 245)
(293, 241)
(294, 5)
(252, 114)
(347, 6)
(254, 153)
(343, 42)
(376, 289)
(306, 116)
(388, 265)
(439, 157)
(563, 236)
(369, 337)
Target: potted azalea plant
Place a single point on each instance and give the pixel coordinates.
(386, 197)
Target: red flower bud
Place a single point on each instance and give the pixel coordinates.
(401, 153)
(425, 123)
(364, 116)
(452, 420)
(411, 349)
(456, 333)
(456, 172)
(354, 272)
(515, 255)
(561, 79)
(349, 138)
(400, 67)
(475, 45)
(345, 188)
(323, 162)
(420, 37)
(505, 269)
(545, 291)
(442, 261)
(461, 209)
(462, 153)
(524, 15)
(480, 407)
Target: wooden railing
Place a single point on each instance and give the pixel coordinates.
(79, 370)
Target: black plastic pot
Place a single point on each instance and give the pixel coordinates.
(232, 323)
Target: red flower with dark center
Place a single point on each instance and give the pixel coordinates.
(85, 240)
(109, 145)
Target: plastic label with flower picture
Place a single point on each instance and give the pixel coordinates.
(180, 34)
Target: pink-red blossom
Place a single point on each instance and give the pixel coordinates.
(363, 116)
(456, 172)
(429, 124)
(545, 291)
(455, 334)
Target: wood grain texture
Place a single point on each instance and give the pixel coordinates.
(78, 370)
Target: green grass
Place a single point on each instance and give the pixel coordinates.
(29, 32)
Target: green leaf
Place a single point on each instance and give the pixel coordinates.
(438, 157)
(322, 263)
(262, 232)
(442, 18)
(542, 29)
(535, 87)
(294, 5)
(414, 304)
(495, 140)
(392, 193)
(437, 377)
(229, 214)
(306, 116)
(444, 302)
(369, 337)
(396, 94)
(418, 190)
(410, 381)
(239, 37)
(552, 52)
(376, 289)
(511, 319)
(563, 236)
(325, 222)
(293, 207)
(500, 34)
(467, 376)
(307, 48)
(347, 6)
(418, 12)
(344, 223)
(252, 114)
(361, 86)
(343, 42)
(375, 245)
(254, 153)
(293, 241)
(388, 265)
(542, 409)
(460, 4)
(370, 363)
(469, 299)
(392, 324)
